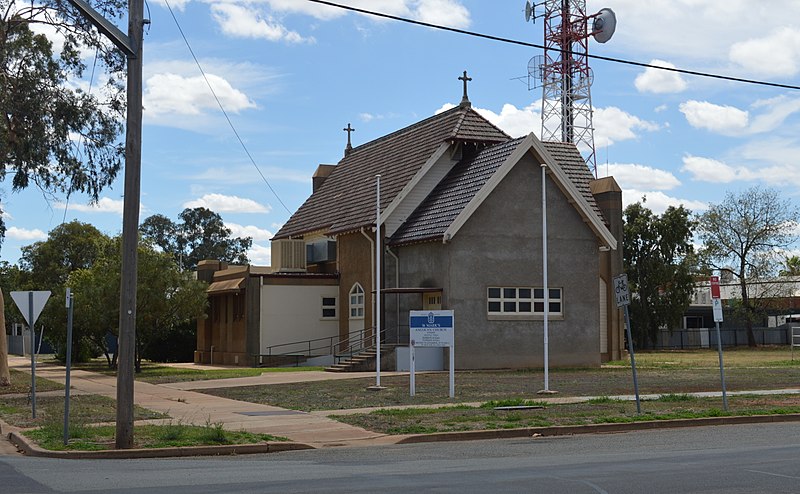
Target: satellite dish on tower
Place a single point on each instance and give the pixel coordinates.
(604, 25)
(528, 11)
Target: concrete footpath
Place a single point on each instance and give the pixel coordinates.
(306, 430)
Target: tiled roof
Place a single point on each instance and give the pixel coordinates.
(438, 211)
(346, 200)
(573, 164)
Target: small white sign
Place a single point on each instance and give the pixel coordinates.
(716, 305)
(23, 301)
(432, 328)
(621, 291)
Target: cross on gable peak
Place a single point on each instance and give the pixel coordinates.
(349, 147)
(465, 99)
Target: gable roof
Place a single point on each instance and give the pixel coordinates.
(346, 200)
(468, 184)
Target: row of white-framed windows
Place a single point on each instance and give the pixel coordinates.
(523, 300)
(357, 301)
(329, 307)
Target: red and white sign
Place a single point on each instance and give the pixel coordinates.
(716, 303)
(715, 287)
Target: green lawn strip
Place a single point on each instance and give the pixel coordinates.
(474, 386)
(485, 417)
(764, 356)
(95, 438)
(50, 409)
(21, 383)
(163, 374)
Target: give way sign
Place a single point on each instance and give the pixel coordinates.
(24, 301)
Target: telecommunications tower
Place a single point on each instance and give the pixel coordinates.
(564, 73)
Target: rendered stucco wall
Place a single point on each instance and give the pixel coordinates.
(501, 245)
(292, 314)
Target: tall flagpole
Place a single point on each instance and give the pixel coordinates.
(544, 276)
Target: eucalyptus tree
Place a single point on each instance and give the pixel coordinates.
(659, 260)
(744, 235)
(54, 133)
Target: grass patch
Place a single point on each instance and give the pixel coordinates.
(50, 409)
(21, 383)
(162, 374)
(430, 420)
(513, 402)
(96, 438)
(604, 400)
(676, 398)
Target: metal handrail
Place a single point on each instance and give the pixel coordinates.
(309, 351)
(362, 344)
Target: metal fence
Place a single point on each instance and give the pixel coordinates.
(707, 337)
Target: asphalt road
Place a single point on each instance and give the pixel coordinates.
(723, 459)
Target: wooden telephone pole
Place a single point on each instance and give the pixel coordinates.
(131, 45)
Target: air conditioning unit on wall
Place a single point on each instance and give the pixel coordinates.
(289, 256)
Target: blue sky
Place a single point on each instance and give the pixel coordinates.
(292, 74)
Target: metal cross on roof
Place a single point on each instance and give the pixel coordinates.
(465, 98)
(349, 147)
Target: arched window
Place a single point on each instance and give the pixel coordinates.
(357, 302)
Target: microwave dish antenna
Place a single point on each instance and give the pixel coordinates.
(604, 25)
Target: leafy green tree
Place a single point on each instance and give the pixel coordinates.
(53, 134)
(166, 298)
(659, 259)
(791, 266)
(743, 235)
(48, 264)
(200, 234)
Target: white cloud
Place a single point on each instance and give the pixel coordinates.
(179, 5)
(227, 204)
(641, 177)
(245, 22)
(103, 205)
(169, 94)
(6, 215)
(613, 125)
(714, 171)
(774, 55)
(25, 234)
(716, 118)
(516, 122)
(446, 12)
(660, 81)
(658, 202)
(251, 231)
(260, 255)
(661, 108)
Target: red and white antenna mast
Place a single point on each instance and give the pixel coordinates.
(564, 72)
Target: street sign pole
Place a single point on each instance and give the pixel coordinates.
(30, 304)
(622, 294)
(69, 365)
(32, 326)
(717, 307)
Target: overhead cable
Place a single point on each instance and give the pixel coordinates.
(542, 47)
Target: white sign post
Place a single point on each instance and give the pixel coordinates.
(623, 296)
(431, 328)
(717, 307)
(31, 305)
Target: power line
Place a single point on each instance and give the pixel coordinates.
(219, 103)
(542, 47)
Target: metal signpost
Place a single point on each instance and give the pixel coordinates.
(31, 305)
(716, 304)
(431, 328)
(69, 366)
(623, 296)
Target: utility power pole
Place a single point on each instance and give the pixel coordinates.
(131, 45)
